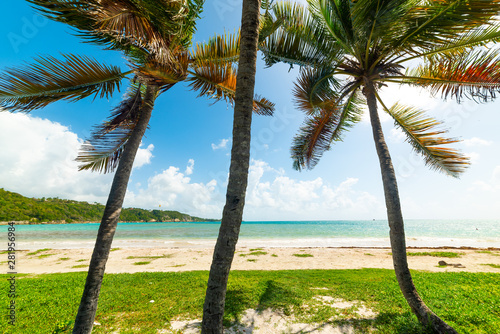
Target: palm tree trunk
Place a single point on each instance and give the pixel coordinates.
(213, 309)
(396, 224)
(88, 306)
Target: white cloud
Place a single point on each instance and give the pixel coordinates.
(473, 156)
(475, 141)
(397, 136)
(173, 190)
(189, 167)
(488, 185)
(38, 159)
(285, 198)
(221, 145)
(143, 156)
(271, 195)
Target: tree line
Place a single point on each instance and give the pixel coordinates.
(14, 206)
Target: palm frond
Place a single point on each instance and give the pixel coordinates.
(432, 23)
(48, 79)
(102, 152)
(323, 128)
(473, 75)
(166, 74)
(335, 17)
(148, 24)
(299, 40)
(462, 44)
(220, 48)
(218, 81)
(314, 89)
(425, 137)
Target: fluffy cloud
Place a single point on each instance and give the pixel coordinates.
(271, 195)
(285, 198)
(38, 159)
(221, 145)
(476, 142)
(143, 156)
(173, 190)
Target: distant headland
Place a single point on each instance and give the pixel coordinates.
(27, 211)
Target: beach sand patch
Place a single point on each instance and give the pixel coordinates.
(270, 321)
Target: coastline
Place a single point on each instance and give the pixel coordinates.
(132, 260)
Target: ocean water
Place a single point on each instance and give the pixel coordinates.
(342, 233)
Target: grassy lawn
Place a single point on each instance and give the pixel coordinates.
(467, 301)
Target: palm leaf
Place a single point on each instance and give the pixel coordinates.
(103, 150)
(220, 48)
(218, 81)
(314, 89)
(48, 80)
(424, 135)
(117, 24)
(165, 74)
(432, 23)
(473, 75)
(335, 17)
(300, 40)
(323, 128)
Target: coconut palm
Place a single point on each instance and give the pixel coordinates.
(154, 36)
(348, 50)
(213, 309)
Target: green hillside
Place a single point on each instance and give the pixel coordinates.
(16, 207)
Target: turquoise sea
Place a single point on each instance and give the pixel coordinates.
(342, 233)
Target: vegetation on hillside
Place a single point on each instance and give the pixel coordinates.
(16, 207)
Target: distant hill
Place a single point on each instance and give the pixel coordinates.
(15, 207)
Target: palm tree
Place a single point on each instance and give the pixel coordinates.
(348, 50)
(154, 36)
(213, 309)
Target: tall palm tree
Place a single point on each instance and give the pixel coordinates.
(348, 50)
(154, 37)
(213, 309)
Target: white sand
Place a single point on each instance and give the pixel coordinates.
(183, 259)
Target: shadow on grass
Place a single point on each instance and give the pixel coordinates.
(281, 297)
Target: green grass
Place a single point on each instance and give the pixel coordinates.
(274, 255)
(252, 260)
(467, 301)
(141, 263)
(487, 252)
(255, 253)
(64, 258)
(255, 249)
(436, 254)
(150, 257)
(81, 260)
(496, 266)
(39, 251)
(41, 256)
(80, 266)
(114, 249)
(303, 255)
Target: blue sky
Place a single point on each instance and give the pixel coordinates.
(184, 159)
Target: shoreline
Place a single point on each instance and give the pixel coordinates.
(132, 260)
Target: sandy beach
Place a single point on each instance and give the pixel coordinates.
(131, 260)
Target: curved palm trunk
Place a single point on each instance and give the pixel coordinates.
(86, 312)
(396, 224)
(213, 309)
